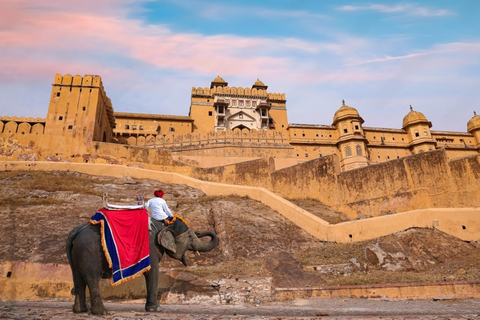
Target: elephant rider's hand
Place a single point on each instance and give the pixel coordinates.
(170, 219)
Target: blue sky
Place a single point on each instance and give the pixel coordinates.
(380, 56)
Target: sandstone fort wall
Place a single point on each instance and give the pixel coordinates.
(458, 222)
(426, 180)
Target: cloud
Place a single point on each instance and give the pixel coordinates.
(408, 9)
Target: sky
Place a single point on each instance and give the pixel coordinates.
(379, 56)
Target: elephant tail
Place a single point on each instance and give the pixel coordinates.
(68, 247)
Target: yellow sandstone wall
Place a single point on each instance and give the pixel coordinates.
(459, 222)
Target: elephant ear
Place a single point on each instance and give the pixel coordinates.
(167, 240)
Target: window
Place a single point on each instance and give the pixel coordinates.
(254, 104)
(317, 134)
(240, 116)
(425, 133)
(127, 127)
(356, 127)
(134, 127)
(60, 118)
(345, 130)
(58, 94)
(247, 103)
(348, 151)
(171, 129)
(417, 134)
(210, 113)
(359, 150)
(306, 155)
(70, 127)
(303, 134)
(141, 127)
(240, 103)
(220, 109)
(84, 108)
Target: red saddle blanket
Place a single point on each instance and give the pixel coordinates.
(125, 242)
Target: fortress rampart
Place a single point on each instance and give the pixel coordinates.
(459, 222)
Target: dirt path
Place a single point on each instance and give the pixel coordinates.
(298, 309)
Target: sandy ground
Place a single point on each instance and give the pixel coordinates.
(298, 309)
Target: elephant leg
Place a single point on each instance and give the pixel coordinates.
(95, 297)
(79, 291)
(151, 280)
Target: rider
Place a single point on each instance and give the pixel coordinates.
(159, 208)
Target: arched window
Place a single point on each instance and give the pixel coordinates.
(348, 152)
(359, 150)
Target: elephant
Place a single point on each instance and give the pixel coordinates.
(89, 264)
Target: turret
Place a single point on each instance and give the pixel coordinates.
(351, 143)
(473, 126)
(418, 132)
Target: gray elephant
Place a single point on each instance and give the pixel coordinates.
(88, 262)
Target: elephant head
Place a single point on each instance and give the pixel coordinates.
(178, 238)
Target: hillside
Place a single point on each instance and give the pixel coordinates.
(39, 209)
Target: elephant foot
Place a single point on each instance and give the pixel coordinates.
(99, 310)
(153, 307)
(78, 309)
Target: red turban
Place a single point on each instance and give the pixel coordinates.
(158, 193)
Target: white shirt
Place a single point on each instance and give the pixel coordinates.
(158, 208)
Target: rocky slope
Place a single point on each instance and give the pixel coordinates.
(39, 209)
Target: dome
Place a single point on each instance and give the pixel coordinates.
(259, 85)
(473, 123)
(218, 79)
(346, 112)
(218, 82)
(414, 117)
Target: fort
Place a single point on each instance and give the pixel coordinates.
(237, 141)
(241, 136)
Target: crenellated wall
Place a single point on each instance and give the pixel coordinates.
(238, 91)
(171, 140)
(22, 125)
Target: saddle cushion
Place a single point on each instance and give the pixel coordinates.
(125, 242)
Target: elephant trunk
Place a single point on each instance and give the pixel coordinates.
(204, 246)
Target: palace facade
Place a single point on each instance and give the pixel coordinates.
(225, 124)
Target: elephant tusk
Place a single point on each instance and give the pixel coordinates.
(198, 253)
